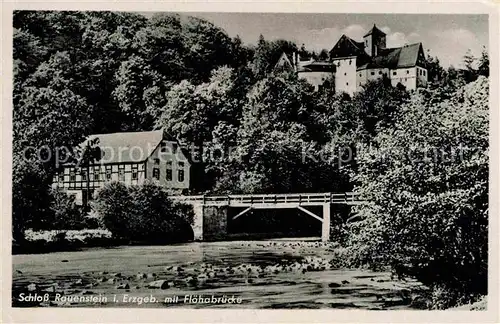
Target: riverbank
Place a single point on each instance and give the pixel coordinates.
(263, 274)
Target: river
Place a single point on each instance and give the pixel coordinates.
(258, 274)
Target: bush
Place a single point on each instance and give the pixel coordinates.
(65, 213)
(56, 240)
(427, 188)
(143, 213)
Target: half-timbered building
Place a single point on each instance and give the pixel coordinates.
(129, 158)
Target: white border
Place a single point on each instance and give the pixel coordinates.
(53, 315)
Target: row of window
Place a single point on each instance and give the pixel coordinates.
(402, 79)
(168, 173)
(339, 62)
(96, 174)
(396, 72)
(113, 168)
(169, 163)
(420, 71)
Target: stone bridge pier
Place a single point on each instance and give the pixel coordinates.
(210, 221)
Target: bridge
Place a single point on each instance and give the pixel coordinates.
(211, 212)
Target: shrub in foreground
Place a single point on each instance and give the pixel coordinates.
(143, 213)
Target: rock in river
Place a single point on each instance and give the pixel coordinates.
(123, 286)
(32, 287)
(334, 285)
(160, 284)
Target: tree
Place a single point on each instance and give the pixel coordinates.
(484, 63)
(426, 182)
(193, 112)
(435, 72)
(469, 60)
(84, 156)
(323, 55)
(139, 94)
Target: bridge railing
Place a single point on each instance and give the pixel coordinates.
(295, 198)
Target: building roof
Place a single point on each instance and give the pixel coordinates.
(369, 65)
(345, 47)
(126, 147)
(399, 57)
(285, 61)
(318, 66)
(374, 30)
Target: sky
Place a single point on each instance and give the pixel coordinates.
(447, 36)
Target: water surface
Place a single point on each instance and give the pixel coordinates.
(260, 274)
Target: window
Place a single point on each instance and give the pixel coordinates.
(72, 175)
(350, 62)
(96, 173)
(83, 173)
(360, 83)
(380, 72)
(163, 147)
(181, 164)
(134, 172)
(180, 175)
(61, 176)
(121, 172)
(405, 79)
(168, 174)
(360, 75)
(423, 71)
(157, 161)
(407, 71)
(345, 73)
(347, 83)
(394, 73)
(156, 173)
(108, 172)
(372, 73)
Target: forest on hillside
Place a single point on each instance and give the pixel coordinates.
(82, 73)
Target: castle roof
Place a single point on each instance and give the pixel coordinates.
(399, 57)
(374, 31)
(346, 47)
(318, 66)
(395, 58)
(369, 65)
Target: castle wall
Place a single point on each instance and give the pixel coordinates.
(422, 77)
(405, 76)
(316, 78)
(345, 76)
(363, 76)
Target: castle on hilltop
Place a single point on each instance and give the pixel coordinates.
(351, 64)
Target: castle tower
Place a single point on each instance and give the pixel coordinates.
(374, 40)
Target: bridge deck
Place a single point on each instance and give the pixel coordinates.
(274, 200)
